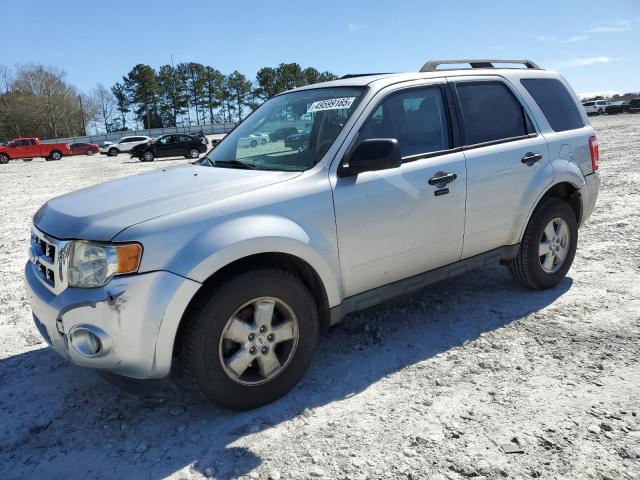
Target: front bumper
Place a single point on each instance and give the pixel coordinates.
(129, 310)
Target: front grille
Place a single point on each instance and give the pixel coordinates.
(48, 256)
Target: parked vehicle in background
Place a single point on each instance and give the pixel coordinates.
(125, 144)
(616, 108)
(298, 140)
(634, 105)
(596, 107)
(282, 133)
(174, 145)
(253, 140)
(234, 262)
(84, 149)
(31, 148)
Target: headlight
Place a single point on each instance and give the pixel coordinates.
(94, 264)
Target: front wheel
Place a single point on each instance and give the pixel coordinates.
(4, 158)
(548, 246)
(89, 153)
(147, 156)
(250, 341)
(600, 112)
(113, 152)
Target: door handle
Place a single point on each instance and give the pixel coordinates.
(442, 178)
(530, 158)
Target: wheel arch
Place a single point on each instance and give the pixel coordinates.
(276, 260)
(566, 190)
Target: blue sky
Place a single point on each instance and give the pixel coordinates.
(595, 44)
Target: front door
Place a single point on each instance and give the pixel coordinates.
(393, 224)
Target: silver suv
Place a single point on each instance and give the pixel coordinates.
(381, 185)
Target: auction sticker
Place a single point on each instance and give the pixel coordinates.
(331, 104)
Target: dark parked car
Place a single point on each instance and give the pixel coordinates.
(634, 105)
(169, 146)
(616, 108)
(84, 148)
(299, 141)
(282, 133)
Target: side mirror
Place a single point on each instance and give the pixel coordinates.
(372, 154)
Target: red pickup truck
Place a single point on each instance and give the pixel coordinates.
(31, 148)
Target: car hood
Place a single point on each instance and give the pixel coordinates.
(100, 212)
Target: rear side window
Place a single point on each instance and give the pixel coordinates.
(416, 117)
(555, 102)
(491, 112)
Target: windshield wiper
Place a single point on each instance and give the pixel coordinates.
(232, 164)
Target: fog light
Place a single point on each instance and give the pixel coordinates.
(90, 341)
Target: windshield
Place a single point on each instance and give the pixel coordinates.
(290, 132)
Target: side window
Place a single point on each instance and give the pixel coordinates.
(416, 117)
(555, 102)
(491, 112)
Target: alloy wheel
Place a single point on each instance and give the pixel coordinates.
(258, 341)
(554, 245)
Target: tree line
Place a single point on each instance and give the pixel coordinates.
(37, 101)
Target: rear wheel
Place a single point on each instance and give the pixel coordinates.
(89, 152)
(251, 340)
(4, 158)
(113, 152)
(194, 153)
(55, 155)
(253, 143)
(548, 246)
(600, 112)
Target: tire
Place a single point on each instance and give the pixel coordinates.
(599, 111)
(206, 350)
(4, 159)
(89, 153)
(194, 153)
(54, 156)
(263, 141)
(253, 143)
(530, 268)
(113, 152)
(147, 156)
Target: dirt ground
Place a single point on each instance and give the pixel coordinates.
(474, 378)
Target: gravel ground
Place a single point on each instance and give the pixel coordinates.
(474, 378)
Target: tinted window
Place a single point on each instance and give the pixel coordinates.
(491, 112)
(555, 102)
(417, 118)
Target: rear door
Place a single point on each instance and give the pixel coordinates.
(507, 162)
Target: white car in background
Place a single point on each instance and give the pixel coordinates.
(596, 107)
(125, 144)
(253, 140)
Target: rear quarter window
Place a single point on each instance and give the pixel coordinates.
(556, 103)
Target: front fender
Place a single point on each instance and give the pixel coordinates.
(242, 237)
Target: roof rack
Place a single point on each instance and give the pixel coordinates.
(354, 75)
(432, 65)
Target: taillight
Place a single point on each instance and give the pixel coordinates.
(595, 153)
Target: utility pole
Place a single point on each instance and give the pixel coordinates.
(84, 125)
